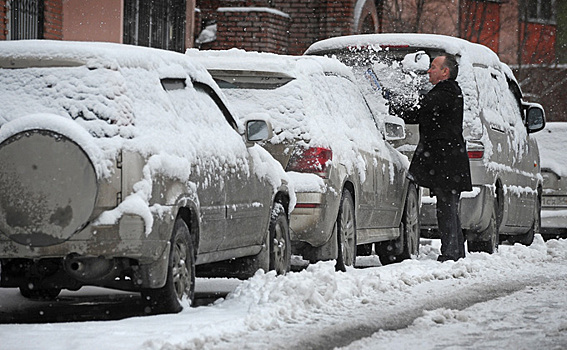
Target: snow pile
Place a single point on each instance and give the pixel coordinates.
(282, 311)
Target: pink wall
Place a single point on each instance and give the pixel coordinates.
(93, 20)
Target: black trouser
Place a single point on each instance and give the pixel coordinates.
(449, 224)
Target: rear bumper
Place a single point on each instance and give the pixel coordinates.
(474, 211)
(554, 219)
(313, 218)
(126, 239)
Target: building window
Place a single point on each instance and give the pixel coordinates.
(541, 11)
(25, 19)
(159, 24)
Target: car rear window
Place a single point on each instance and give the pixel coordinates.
(93, 95)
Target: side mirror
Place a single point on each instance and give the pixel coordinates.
(394, 128)
(258, 130)
(535, 117)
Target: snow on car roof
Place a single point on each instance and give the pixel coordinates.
(237, 59)
(551, 142)
(479, 54)
(48, 53)
(476, 54)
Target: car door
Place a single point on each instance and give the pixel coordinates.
(523, 160)
(392, 190)
(208, 174)
(248, 195)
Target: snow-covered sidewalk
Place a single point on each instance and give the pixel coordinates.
(514, 299)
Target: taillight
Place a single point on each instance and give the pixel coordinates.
(475, 154)
(311, 160)
(475, 149)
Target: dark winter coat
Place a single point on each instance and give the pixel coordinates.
(440, 160)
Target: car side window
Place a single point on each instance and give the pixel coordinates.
(186, 96)
(212, 97)
(489, 95)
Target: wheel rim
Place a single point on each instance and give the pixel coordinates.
(347, 233)
(279, 248)
(412, 225)
(181, 271)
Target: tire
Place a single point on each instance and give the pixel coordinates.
(180, 282)
(407, 245)
(346, 233)
(40, 293)
(279, 242)
(489, 246)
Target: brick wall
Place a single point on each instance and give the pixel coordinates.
(52, 24)
(3, 20)
(53, 19)
(303, 22)
(251, 28)
(537, 43)
(545, 85)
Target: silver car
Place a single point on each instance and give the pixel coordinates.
(122, 167)
(504, 157)
(552, 142)
(351, 185)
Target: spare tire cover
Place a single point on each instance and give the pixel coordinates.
(48, 188)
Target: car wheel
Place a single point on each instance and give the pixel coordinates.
(279, 241)
(346, 233)
(39, 293)
(489, 246)
(180, 282)
(407, 245)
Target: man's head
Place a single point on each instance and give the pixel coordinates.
(442, 68)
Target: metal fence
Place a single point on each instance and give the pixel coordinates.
(25, 19)
(159, 24)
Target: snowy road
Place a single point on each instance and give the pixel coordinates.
(514, 299)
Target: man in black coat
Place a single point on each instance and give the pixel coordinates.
(440, 161)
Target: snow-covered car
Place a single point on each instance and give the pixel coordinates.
(552, 144)
(351, 185)
(504, 157)
(122, 167)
